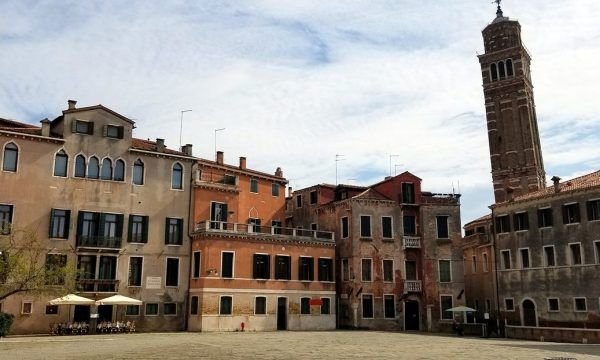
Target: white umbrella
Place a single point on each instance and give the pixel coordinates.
(71, 299)
(461, 309)
(118, 300)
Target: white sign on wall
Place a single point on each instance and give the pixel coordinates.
(153, 282)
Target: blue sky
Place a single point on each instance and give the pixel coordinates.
(296, 82)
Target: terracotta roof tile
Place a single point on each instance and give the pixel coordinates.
(147, 145)
(578, 183)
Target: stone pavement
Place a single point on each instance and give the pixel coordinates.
(286, 345)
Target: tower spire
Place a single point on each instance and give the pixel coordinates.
(499, 10)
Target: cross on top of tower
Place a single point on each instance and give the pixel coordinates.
(499, 10)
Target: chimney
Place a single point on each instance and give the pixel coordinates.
(243, 162)
(160, 145)
(187, 149)
(555, 180)
(220, 157)
(387, 178)
(278, 172)
(72, 104)
(290, 192)
(45, 127)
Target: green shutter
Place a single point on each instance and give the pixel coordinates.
(79, 224)
(120, 219)
(167, 231)
(67, 223)
(145, 229)
(51, 223)
(129, 226)
(91, 128)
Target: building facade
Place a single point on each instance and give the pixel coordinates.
(114, 205)
(399, 261)
(249, 272)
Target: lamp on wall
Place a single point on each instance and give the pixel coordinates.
(212, 272)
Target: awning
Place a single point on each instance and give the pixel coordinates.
(461, 309)
(119, 300)
(71, 299)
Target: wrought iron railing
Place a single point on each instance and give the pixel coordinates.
(99, 241)
(250, 229)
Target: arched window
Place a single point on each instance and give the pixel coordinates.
(93, 168)
(177, 176)
(509, 68)
(80, 166)
(494, 71)
(10, 158)
(119, 170)
(107, 170)
(501, 70)
(138, 172)
(61, 161)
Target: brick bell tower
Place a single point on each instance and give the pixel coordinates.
(515, 152)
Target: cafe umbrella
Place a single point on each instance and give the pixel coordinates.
(71, 299)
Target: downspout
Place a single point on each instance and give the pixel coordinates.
(190, 230)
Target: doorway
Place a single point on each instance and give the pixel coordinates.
(281, 313)
(528, 313)
(411, 315)
(81, 313)
(105, 313)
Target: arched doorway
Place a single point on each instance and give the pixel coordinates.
(528, 313)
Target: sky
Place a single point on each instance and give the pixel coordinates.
(295, 82)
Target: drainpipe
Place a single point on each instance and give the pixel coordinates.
(190, 226)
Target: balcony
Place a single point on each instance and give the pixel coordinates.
(412, 286)
(209, 226)
(222, 182)
(98, 285)
(411, 242)
(99, 242)
(477, 238)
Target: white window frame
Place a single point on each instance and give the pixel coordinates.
(442, 310)
(391, 227)
(19, 154)
(23, 307)
(139, 310)
(548, 304)
(146, 309)
(370, 227)
(504, 267)
(575, 307)
(570, 253)
(250, 188)
(383, 303)
(383, 271)
(440, 271)
(172, 169)
(521, 258)
(266, 305)
(220, 297)
(54, 163)
(513, 303)
(515, 220)
(232, 265)
(544, 255)
(129, 271)
(371, 269)
(362, 315)
(596, 244)
(165, 313)
(437, 218)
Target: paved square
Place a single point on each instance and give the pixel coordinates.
(285, 345)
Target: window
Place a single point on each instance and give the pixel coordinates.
(275, 189)
(119, 174)
(501, 70)
(174, 231)
(99, 229)
(579, 304)
(26, 307)
(521, 221)
(51, 309)
(386, 227)
(486, 265)
(408, 193)
(283, 267)
(298, 201)
(177, 177)
(83, 127)
(132, 310)
(474, 264)
(305, 306)
(525, 262)
(505, 258)
(549, 257)
(61, 161)
(545, 218)
(261, 266)
(172, 276)
(55, 269)
(138, 172)
(10, 158)
(306, 270)
(597, 250)
(575, 252)
(593, 210)
(494, 72)
(445, 304)
(388, 270)
(410, 270)
(170, 308)
(138, 229)
(445, 271)
(276, 225)
(194, 305)
(254, 186)
(366, 270)
(553, 305)
(229, 179)
(365, 226)
(389, 307)
(227, 264)
(80, 166)
(509, 67)
(59, 224)
(218, 214)
(93, 168)
(345, 270)
(325, 306)
(313, 226)
(367, 306)
(313, 197)
(509, 304)
(571, 213)
(410, 224)
(442, 227)
(260, 305)
(113, 131)
(344, 227)
(107, 170)
(135, 271)
(151, 309)
(196, 256)
(502, 224)
(325, 269)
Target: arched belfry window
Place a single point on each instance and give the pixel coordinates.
(61, 161)
(177, 176)
(10, 157)
(119, 174)
(107, 169)
(494, 71)
(509, 68)
(93, 168)
(501, 70)
(80, 166)
(138, 172)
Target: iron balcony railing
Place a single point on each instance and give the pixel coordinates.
(98, 285)
(99, 242)
(411, 242)
(252, 229)
(412, 285)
